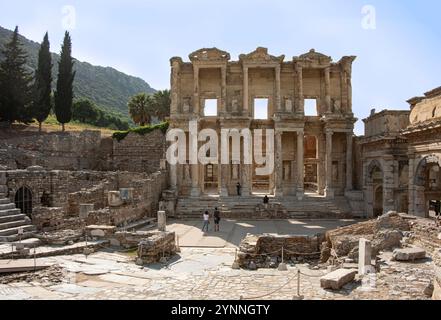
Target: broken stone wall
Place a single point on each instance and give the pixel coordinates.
(140, 153)
(157, 246)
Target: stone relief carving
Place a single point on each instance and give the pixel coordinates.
(187, 177)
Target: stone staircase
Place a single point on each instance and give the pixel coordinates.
(12, 220)
(250, 207)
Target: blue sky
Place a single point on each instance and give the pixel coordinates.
(396, 61)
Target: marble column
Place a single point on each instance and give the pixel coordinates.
(328, 90)
(174, 176)
(223, 104)
(278, 90)
(349, 163)
(245, 92)
(300, 97)
(175, 87)
(195, 188)
(329, 192)
(196, 102)
(223, 179)
(300, 165)
(411, 192)
(278, 192)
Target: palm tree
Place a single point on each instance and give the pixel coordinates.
(140, 109)
(162, 102)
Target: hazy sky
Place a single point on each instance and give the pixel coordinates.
(398, 59)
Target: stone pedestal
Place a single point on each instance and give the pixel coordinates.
(85, 209)
(365, 257)
(162, 221)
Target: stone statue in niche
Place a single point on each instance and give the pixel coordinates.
(336, 106)
(288, 105)
(287, 172)
(187, 173)
(235, 102)
(187, 105)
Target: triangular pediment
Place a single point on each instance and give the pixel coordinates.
(317, 57)
(260, 55)
(209, 54)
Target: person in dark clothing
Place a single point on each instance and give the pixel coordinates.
(217, 219)
(239, 189)
(266, 202)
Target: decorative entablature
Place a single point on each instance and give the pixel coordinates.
(209, 56)
(381, 139)
(260, 57)
(313, 59)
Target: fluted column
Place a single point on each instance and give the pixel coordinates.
(278, 192)
(223, 104)
(196, 103)
(349, 163)
(300, 165)
(328, 90)
(329, 192)
(245, 92)
(278, 90)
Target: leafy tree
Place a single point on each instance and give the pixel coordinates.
(85, 111)
(141, 109)
(161, 103)
(15, 83)
(66, 76)
(43, 83)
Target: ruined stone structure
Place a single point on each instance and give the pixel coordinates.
(313, 152)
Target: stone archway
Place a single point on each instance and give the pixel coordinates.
(374, 186)
(378, 201)
(427, 184)
(23, 200)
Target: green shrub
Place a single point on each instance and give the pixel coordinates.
(120, 135)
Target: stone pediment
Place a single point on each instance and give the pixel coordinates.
(260, 55)
(315, 57)
(209, 55)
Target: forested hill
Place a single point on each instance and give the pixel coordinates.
(107, 87)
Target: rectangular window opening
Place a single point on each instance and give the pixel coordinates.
(261, 107)
(311, 108)
(210, 108)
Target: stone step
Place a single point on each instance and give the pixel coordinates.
(16, 237)
(4, 200)
(13, 224)
(14, 230)
(9, 212)
(11, 218)
(7, 206)
(3, 195)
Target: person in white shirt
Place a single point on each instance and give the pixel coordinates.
(206, 221)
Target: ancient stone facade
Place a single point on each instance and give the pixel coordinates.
(313, 152)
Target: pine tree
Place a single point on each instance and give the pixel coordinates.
(66, 75)
(43, 83)
(15, 83)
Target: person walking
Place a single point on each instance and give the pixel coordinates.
(239, 189)
(265, 202)
(217, 219)
(206, 221)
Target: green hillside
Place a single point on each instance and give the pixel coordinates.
(105, 86)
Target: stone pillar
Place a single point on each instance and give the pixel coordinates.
(195, 188)
(246, 179)
(245, 92)
(300, 165)
(162, 221)
(329, 192)
(278, 192)
(328, 90)
(175, 87)
(300, 97)
(349, 163)
(174, 177)
(278, 90)
(364, 257)
(411, 184)
(321, 165)
(196, 102)
(388, 184)
(223, 179)
(223, 104)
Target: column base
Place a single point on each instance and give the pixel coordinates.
(329, 193)
(300, 194)
(195, 192)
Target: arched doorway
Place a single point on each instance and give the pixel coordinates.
(428, 186)
(378, 201)
(23, 200)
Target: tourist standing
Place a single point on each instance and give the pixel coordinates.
(239, 189)
(266, 201)
(217, 219)
(206, 221)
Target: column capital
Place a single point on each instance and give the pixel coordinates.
(329, 132)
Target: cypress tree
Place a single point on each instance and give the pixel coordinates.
(15, 83)
(66, 75)
(43, 83)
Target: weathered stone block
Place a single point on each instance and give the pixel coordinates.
(162, 221)
(337, 279)
(85, 209)
(114, 199)
(409, 254)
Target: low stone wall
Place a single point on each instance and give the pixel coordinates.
(266, 250)
(48, 219)
(157, 246)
